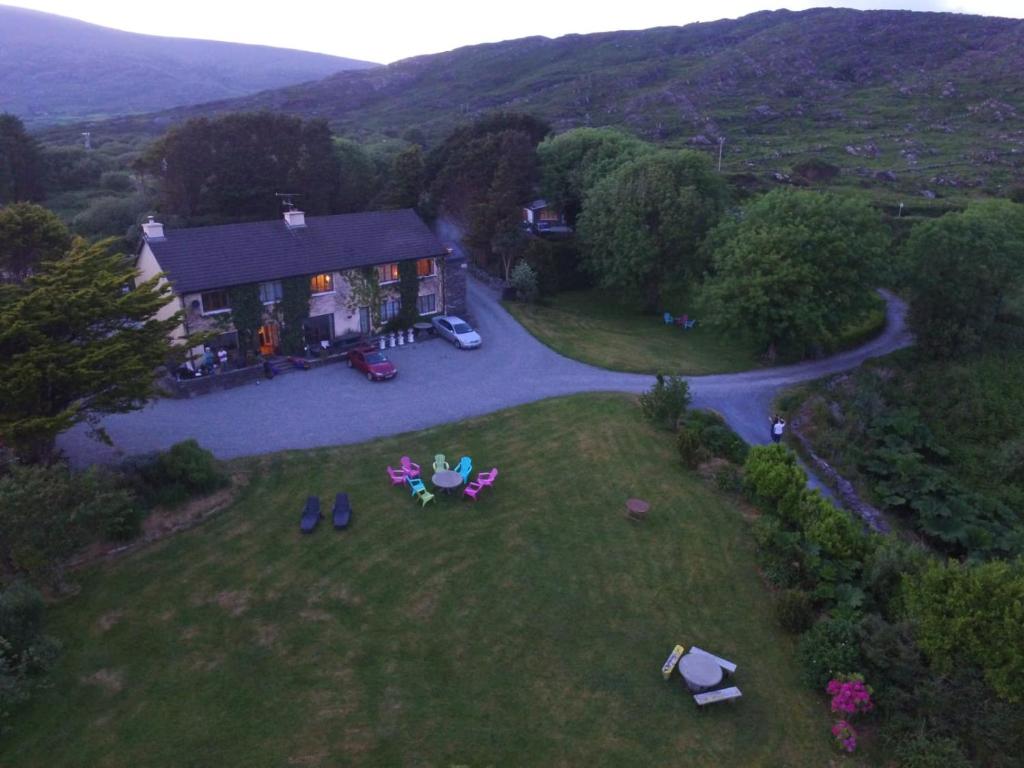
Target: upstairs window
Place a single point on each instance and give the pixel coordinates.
(387, 273)
(271, 292)
(425, 268)
(215, 301)
(323, 283)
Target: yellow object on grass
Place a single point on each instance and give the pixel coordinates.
(671, 661)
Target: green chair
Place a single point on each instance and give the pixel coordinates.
(425, 496)
(440, 463)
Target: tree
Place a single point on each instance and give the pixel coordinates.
(964, 266)
(524, 280)
(573, 162)
(357, 177)
(29, 235)
(644, 223)
(21, 167)
(405, 183)
(794, 267)
(247, 316)
(75, 342)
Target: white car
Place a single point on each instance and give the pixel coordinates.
(457, 331)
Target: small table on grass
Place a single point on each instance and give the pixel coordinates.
(447, 480)
(637, 509)
(699, 672)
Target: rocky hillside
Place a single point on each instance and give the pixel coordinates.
(55, 69)
(922, 102)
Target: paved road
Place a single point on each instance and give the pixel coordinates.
(436, 384)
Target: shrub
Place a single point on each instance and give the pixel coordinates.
(690, 450)
(666, 401)
(722, 441)
(184, 471)
(24, 650)
(773, 480)
(925, 751)
(794, 611)
(728, 478)
(524, 280)
(829, 649)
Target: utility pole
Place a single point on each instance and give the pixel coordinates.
(721, 144)
(87, 136)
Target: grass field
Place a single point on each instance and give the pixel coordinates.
(526, 630)
(594, 327)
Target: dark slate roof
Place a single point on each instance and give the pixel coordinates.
(204, 258)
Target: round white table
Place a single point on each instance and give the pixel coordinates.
(447, 480)
(699, 672)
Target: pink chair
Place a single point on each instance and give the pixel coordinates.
(397, 475)
(471, 490)
(410, 467)
(487, 478)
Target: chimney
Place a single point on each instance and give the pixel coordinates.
(294, 218)
(153, 229)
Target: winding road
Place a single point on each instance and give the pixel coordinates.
(437, 384)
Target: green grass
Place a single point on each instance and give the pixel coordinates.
(595, 327)
(528, 629)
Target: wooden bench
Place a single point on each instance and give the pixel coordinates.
(712, 697)
(728, 666)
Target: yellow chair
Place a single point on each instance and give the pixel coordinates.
(424, 496)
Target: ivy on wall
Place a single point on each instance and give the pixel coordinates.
(408, 293)
(293, 309)
(246, 315)
(365, 292)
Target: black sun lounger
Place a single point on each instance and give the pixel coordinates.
(342, 513)
(310, 514)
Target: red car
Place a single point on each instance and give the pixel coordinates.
(373, 363)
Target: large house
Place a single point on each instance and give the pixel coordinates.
(334, 252)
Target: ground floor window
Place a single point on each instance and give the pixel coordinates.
(317, 329)
(427, 303)
(389, 309)
(215, 301)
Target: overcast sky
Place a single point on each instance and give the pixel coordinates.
(386, 30)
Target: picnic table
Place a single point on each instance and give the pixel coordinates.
(700, 672)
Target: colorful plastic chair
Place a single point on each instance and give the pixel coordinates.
(416, 485)
(464, 468)
(411, 468)
(397, 475)
(424, 496)
(668, 319)
(440, 463)
(472, 490)
(487, 478)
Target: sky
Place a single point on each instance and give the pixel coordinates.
(384, 30)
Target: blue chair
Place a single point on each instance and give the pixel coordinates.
(668, 319)
(416, 485)
(310, 514)
(464, 468)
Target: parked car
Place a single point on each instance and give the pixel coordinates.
(457, 331)
(372, 362)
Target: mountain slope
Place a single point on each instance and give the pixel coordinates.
(55, 69)
(929, 97)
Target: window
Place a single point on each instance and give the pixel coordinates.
(215, 301)
(271, 292)
(387, 273)
(425, 268)
(427, 303)
(389, 309)
(323, 283)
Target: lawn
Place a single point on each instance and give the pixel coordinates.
(595, 327)
(528, 629)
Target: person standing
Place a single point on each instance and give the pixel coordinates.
(778, 428)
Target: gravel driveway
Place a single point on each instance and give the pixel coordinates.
(436, 384)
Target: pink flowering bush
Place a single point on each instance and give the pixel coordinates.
(845, 736)
(850, 695)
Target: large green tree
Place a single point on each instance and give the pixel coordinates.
(964, 266)
(77, 342)
(644, 223)
(573, 162)
(29, 235)
(357, 176)
(404, 184)
(21, 168)
(231, 167)
(794, 267)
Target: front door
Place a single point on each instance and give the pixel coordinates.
(364, 320)
(270, 339)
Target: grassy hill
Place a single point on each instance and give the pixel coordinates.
(904, 100)
(55, 69)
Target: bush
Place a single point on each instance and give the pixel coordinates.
(713, 433)
(728, 478)
(184, 471)
(524, 280)
(690, 450)
(931, 752)
(24, 650)
(116, 181)
(794, 610)
(666, 401)
(828, 650)
(773, 480)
